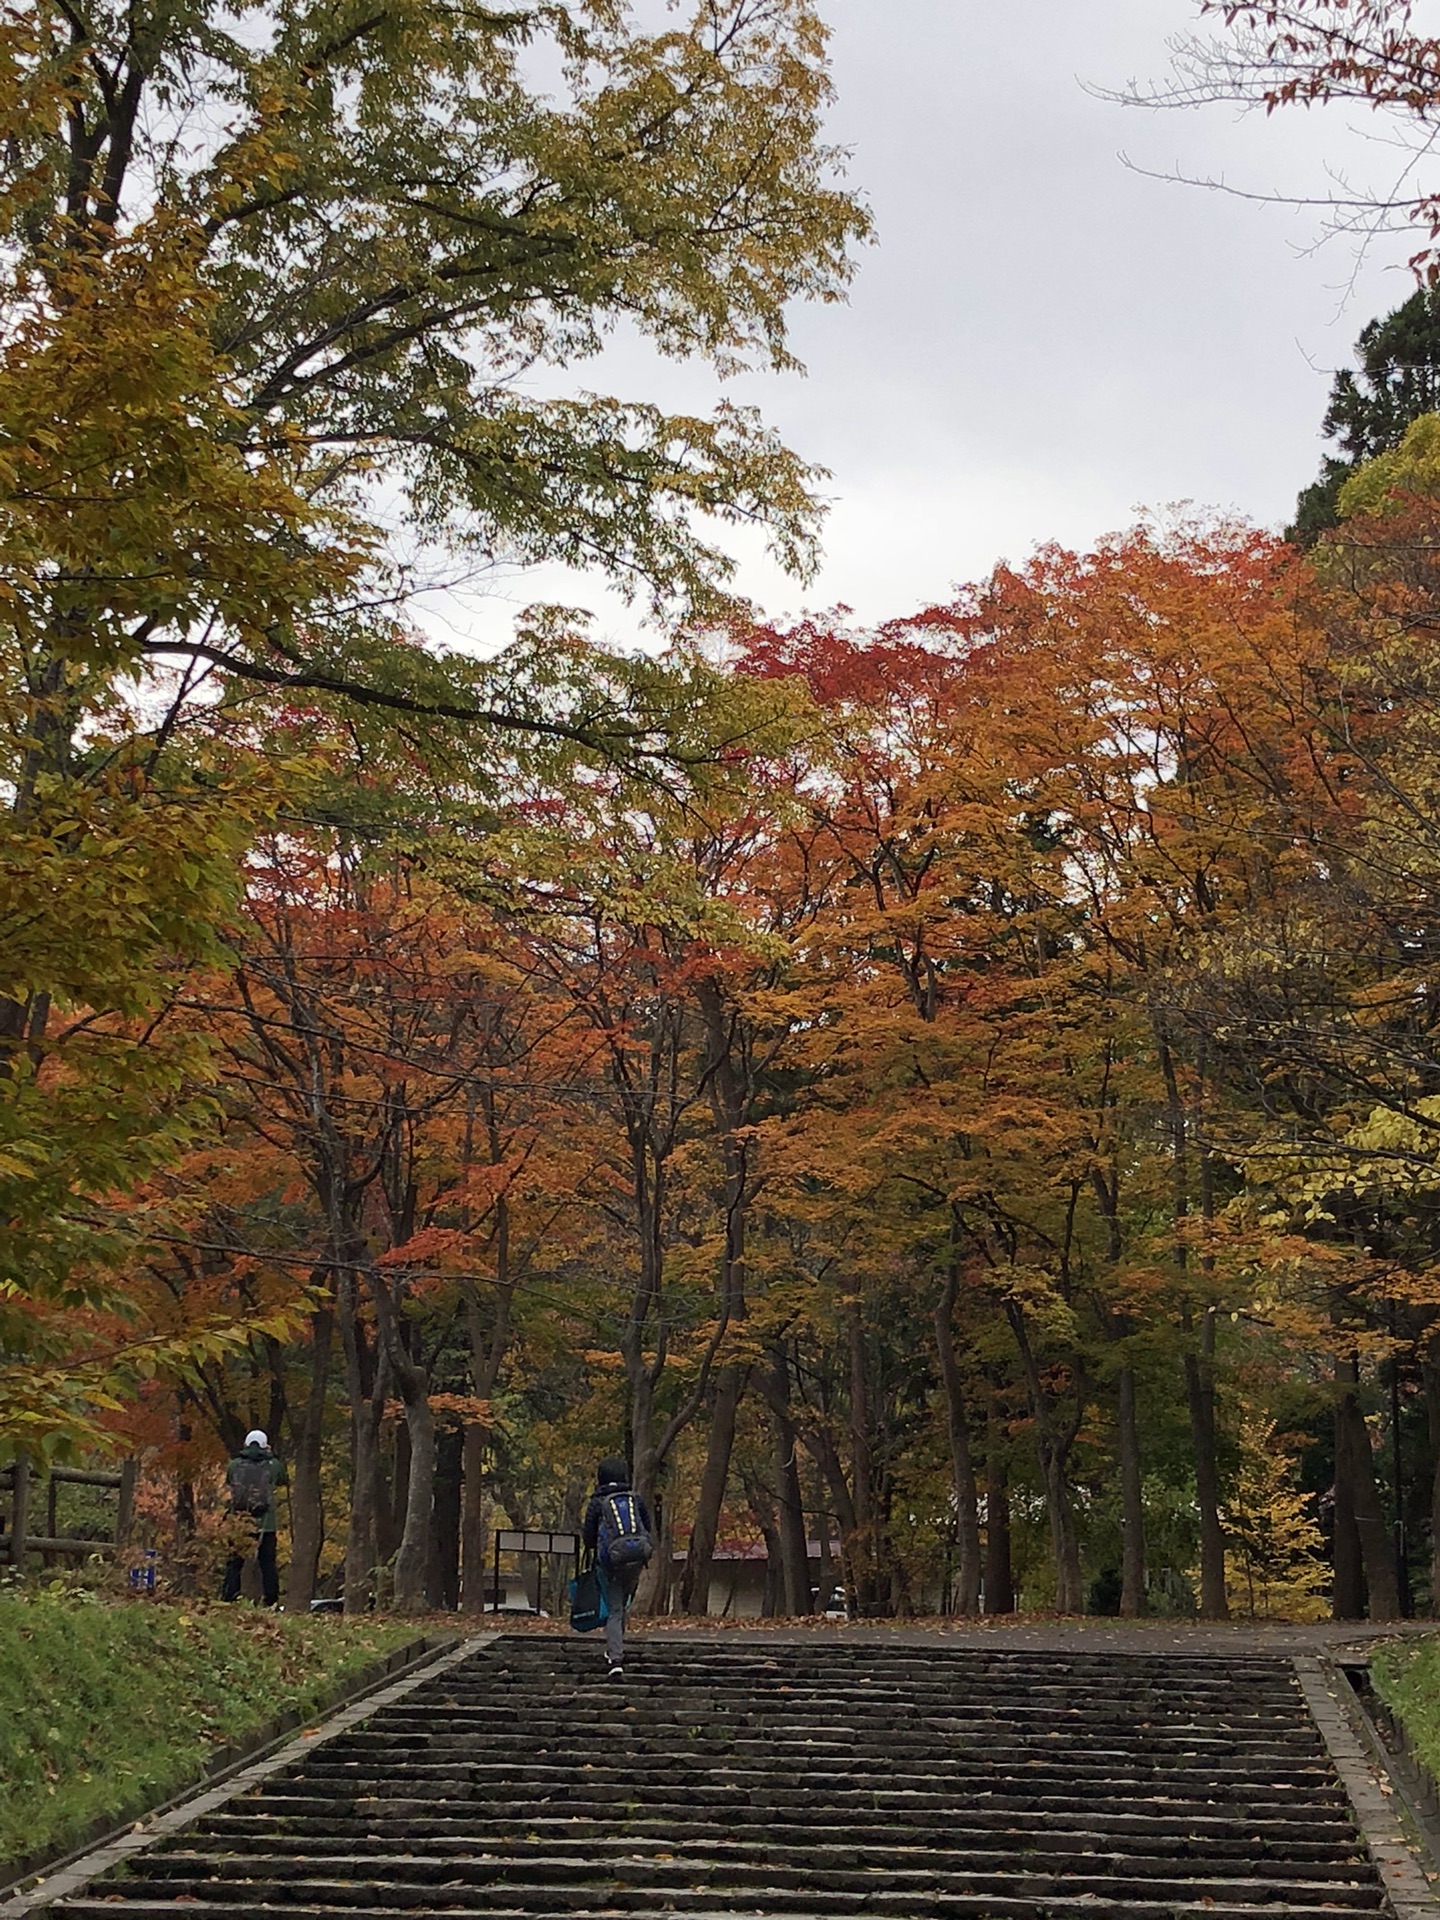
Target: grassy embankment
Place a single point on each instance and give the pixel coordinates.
(108, 1709)
(1406, 1675)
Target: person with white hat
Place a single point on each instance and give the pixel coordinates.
(251, 1479)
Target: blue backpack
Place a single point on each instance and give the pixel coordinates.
(624, 1539)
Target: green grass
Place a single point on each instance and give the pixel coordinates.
(107, 1709)
(1406, 1675)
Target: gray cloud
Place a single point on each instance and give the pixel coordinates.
(1043, 340)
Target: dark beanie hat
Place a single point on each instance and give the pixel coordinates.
(613, 1471)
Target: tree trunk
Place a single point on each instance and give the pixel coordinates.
(1400, 1546)
(1200, 1397)
(367, 1411)
(642, 1374)
(999, 1579)
(186, 1518)
(488, 1351)
(186, 1513)
(415, 1458)
(663, 1591)
(771, 1601)
(1352, 1445)
(695, 1582)
(1064, 1542)
(474, 1575)
(392, 1495)
(962, 1465)
(412, 1556)
(1127, 1432)
(652, 1593)
(364, 1499)
(307, 1510)
(790, 1518)
(825, 1560)
(860, 1544)
(762, 1509)
(443, 1577)
(821, 1448)
(729, 1104)
(1127, 1436)
(1347, 1593)
(1199, 1358)
(1053, 1443)
(1430, 1373)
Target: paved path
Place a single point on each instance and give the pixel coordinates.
(1334, 1638)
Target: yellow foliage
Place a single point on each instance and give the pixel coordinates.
(1274, 1568)
(1411, 468)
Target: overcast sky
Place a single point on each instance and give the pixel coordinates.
(1043, 340)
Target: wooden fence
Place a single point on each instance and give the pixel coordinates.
(21, 1486)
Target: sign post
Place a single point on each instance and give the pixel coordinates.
(529, 1540)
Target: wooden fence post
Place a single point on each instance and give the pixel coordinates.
(128, 1473)
(20, 1513)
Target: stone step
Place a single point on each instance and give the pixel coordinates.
(598, 1704)
(510, 1903)
(876, 1661)
(880, 1788)
(1047, 1676)
(552, 1882)
(1101, 1831)
(943, 1684)
(1105, 1767)
(838, 1695)
(818, 1742)
(192, 1865)
(656, 1802)
(798, 1781)
(1248, 1698)
(547, 1875)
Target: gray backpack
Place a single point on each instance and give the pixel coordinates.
(250, 1487)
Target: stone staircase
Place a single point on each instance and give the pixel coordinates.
(807, 1780)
